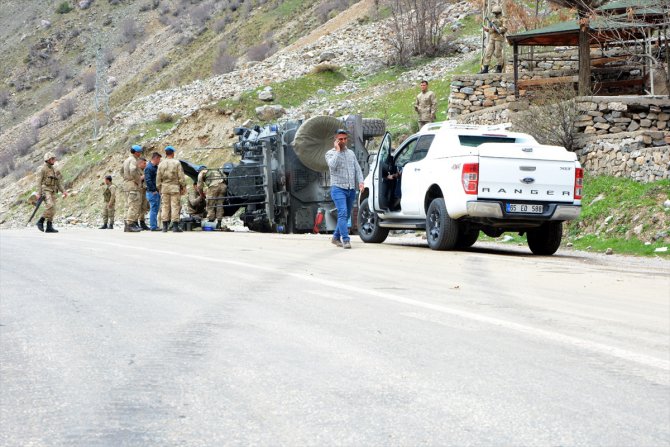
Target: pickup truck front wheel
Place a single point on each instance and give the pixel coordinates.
(441, 230)
(545, 239)
(368, 225)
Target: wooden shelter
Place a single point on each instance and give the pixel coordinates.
(621, 20)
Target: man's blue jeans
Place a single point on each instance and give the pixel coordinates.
(344, 202)
(154, 206)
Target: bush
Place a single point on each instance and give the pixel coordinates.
(261, 51)
(66, 108)
(88, 81)
(4, 98)
(62, 150)
(200, 14)
(165, 118)
(160, 64)
(63, 8)
(40, 121)
(25, 143)
(7, 163)
(220, 25)
(224, 62)
(325, 67)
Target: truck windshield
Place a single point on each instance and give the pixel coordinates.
(476, 140)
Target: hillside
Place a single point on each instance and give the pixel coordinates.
(160, 60)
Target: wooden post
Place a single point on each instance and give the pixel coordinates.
(584, 58)
(516, 70)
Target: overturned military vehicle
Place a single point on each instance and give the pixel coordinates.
(281, 182)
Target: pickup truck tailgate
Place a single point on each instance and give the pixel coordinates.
(522, 172)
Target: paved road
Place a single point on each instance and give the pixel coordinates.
(209, 339)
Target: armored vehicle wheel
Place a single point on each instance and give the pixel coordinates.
(441, 230)
(368, 225)
(466, 237)
(546, 239)
(373, 127)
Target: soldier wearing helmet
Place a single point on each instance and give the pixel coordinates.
(496, 29)
(49, 182)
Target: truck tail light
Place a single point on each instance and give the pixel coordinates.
(470, 177)
(579, 183)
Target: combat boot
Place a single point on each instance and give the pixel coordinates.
(104, 226)
(218, 224)
(175, 227)
(498, 68)
(111, 225)
(131, 227)
(165, 227)
(50, 228)
(40, 224)
(484, 70)
(143, 225)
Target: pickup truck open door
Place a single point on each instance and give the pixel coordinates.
(379, 200)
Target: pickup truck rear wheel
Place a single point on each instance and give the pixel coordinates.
(545, 239)
(368, 225)
(466, 237)
(441, 230)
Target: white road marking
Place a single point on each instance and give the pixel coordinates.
(600, 348)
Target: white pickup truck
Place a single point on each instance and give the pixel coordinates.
(455, 180)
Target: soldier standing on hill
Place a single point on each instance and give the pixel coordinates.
(171, 183)
(49, 182)
(496, 29)
(109, 205)
(132, 179)
(425, 105)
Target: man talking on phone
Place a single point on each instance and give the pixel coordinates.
(345, 176)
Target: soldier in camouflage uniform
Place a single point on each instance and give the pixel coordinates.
(171, 183)
(109, 205)
(49, 182)
(144, 203)
(496, 29)
(132, 179)
(212, 184)
(425, 105)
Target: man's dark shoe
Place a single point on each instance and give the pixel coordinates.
(103, 227)
(50, 228)
(498, 68)
(218, 225)
(165, 227)
(131, 228)
(143, 225)
(346, 244)
(175, 227)
(484, 70)
(111, 226)
(336, 242)
(40, 224)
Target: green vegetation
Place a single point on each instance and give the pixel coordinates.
(63, 8)
(471, 26)
(288, 93)
(80, 163)
(156, 128)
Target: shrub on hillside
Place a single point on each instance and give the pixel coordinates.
(25, 143)
(4, 98)
(220, 25)
(40, 120)
(114, 2)
(200, 14)
(166, 118)
(88, 81)
(63, 8)
(325, 67)
(61, 150)
(224, 63)
(261, 51)
(7, 163)
(66, 108)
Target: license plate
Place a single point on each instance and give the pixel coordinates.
(524, 208)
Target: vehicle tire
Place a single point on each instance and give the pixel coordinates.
(546, 239)
(441, 230)
(373, 127)
(368, 225)
(466, 237)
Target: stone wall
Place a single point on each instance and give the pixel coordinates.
(619, 136)
(470, 93)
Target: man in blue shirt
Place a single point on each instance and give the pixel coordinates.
(153, 196)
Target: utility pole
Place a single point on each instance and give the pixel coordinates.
(101, 98)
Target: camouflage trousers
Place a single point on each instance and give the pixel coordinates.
(494, 45)
(215, 196)
(49, 205)
(107, 214)
(170, 206)
(133, 204)
(144, 206)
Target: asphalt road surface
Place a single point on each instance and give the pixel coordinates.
(208, 339)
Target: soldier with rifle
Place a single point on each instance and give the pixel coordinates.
(496, 30)
(49, 182)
